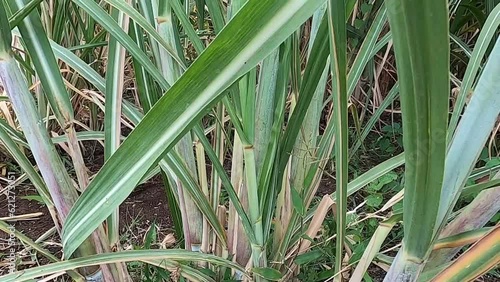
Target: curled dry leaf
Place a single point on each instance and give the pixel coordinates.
(168, 241)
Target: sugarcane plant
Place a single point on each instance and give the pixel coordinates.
(271, 85)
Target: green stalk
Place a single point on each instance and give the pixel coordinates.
(148, 8)
(338, 51)
(304, 153)
(146, 89)
(295, 65)
(149, 94)
(312, 75)
(112, 124)
(233, 196)
(305, 149)
(258, 250)
(272, 200)
(192, 217)
(200, 11)
(251, 151)
(165, 25)
(237, 239)
(143, 22)
(112, 119)
(216, 11)
(174, 164)
(203, 179)
(325, 146)
(99, 15)
(219, 136)
(420, 34)
(188, 28)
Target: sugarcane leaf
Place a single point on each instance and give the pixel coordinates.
(481, 257)
(268, 273)
(297, 201)
(419, 43)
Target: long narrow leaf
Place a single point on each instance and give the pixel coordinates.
(476, 261)
(422, 56)
(478, 121)
(115, 73)
(338, 59)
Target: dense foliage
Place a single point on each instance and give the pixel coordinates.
(288, 137)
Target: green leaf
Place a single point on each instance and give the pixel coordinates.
(374, 200)
(481, 257)
(5, 33)
(398, 207)
(308, 257)
(476, 188)
(33, 198)
(338, 59)
(383, 180)
(297, 201)
(18, 16)
(358, 24)
(115, 69)
(237, 49)
(150, 236)
(365, 8)
(44, 61)
(23, 162)
(267, 273)
(7, 228)
(367, 177)
(496, 218)
(351, 217)
(492, 162)
(420, 42)
(483, 110)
